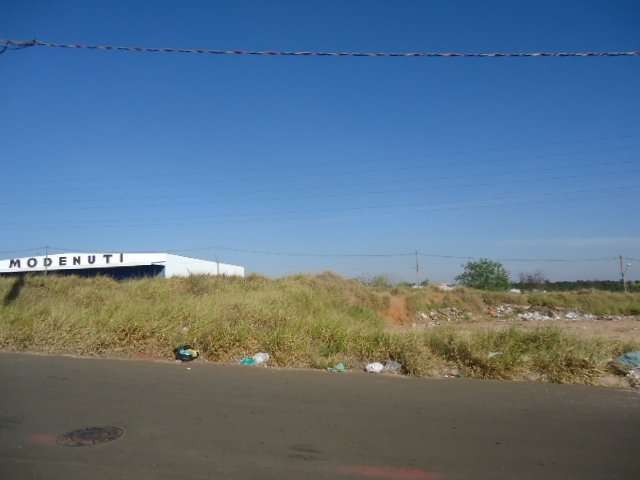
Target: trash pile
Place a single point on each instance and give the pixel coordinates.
(538, 316)
(433, 318)
(572, 315)
(524, 312)
(504, 310)
(579, 316)
(532, 313)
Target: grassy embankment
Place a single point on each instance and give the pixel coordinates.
(301, 321)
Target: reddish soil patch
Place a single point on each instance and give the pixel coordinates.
(397, 312)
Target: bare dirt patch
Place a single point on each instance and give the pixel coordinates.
(397, 313)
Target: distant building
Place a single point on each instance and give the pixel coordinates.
(120, 265)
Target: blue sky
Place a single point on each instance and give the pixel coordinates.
(503, 158)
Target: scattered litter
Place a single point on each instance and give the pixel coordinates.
(634, 377)
(505, 310)
(451, 371)
(258, 359)
(538, 316)
(515, 290)
(375, 367)
(493, 354)
(339, 368)
(261, 358)
(186, 353)
(629, 360)
(613, 318)
(188, 368)
(442, 315)
(391, 366)
(537, 313)
(573, 315)
(445, 288)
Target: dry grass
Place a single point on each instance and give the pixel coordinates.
(302, 321)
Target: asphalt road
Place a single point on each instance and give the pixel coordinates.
(227, 422)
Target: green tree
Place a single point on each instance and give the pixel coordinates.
(484, 274)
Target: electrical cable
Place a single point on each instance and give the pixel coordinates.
(470, 204)
(291, 53)
(335, 255)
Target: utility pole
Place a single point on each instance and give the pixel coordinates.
(622, 272)
(417, 270)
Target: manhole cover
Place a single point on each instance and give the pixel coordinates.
(86, 437)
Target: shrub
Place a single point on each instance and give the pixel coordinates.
(484, 274)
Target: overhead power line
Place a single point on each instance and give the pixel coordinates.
(18, 44)
(557, 260)
(279, 215)
(520, 260)
(14, 45)
(390, 255)
(334, 255)
(296, 254)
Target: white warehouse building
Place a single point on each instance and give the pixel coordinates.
(120, 265)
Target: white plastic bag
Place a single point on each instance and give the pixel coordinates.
(375, 367)
(261, 358)
(392, 366)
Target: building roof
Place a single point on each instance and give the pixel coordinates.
(174, 265)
